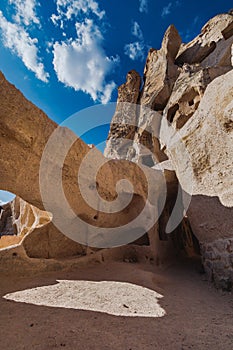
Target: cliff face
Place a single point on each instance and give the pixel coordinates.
(33, 229)
(26, 134)
(178, 127)
(183, 121)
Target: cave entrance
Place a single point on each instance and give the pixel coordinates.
(182, 241)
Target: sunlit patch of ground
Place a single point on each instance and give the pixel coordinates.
(114, 298)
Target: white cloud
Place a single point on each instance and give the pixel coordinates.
(67, 9)
(136, 31)
(169, 7)
(25, 11)
(166, 10)
(143, 6)
(82, 64)
(135, 50)
(19, 42)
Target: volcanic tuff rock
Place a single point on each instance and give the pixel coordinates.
(198, 104)
(160, 74)
(214, 34)
(122, 130)
(180, 122)
(24, 134)
(160, 71)
(33, 228)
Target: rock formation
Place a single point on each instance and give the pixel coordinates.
(176, 131)
(32, 227)
(191, 87)
(24, 134)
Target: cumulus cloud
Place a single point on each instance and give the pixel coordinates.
(19, 42)
(143, 6)
(136, 50)
(82, 64)
(25, 11)
(166, 10)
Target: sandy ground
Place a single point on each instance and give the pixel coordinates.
(196, 316)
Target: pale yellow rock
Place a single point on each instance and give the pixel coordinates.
(188, 91)
(212, 37)
(208, 140)
(193, 91)
(27, 218)
(24, 134)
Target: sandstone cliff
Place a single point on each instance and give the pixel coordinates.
(188, 89)
(178, 128)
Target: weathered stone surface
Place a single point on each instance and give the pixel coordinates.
(47, 242)
(32, 226)
(218, 261)
(129, 91)
(221, 56)
(24, 132)
(124, 121)
(192, 89)
(160, 71)
(214, 32)
(210, 220)
(6, 222)
(160, 75)
(26, 217)
(188, 91)
(208, 142)
(198, 104)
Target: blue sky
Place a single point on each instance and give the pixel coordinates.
(67, 55)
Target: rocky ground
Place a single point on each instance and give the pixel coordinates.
(197, 316)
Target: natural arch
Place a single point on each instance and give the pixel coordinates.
(24, 132)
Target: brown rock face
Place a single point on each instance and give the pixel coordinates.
(160, 72)
(34, 229)
(129, 91)
(177, 127)
(192, 90)
(24, 134)
(125, 118)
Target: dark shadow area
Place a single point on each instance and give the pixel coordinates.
(195, 53)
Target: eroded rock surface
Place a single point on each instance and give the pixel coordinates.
(24, 134)
(178, 126)
(160, 71)
(197, 103)
(214, 35)
(37, 234)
